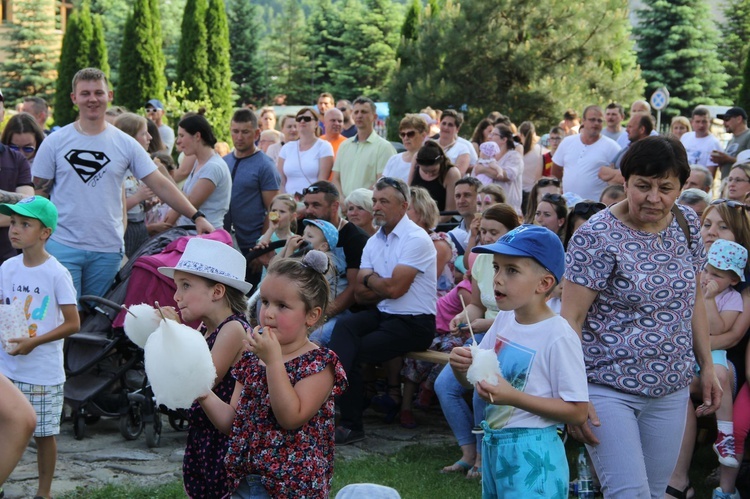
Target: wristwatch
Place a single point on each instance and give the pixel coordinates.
(197, 215)
(366, 280)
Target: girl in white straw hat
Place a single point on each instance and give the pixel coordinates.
(210, 280)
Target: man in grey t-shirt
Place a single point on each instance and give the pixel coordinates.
(735, 122)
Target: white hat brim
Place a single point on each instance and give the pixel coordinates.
(242, 286)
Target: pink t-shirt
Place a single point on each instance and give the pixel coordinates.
(449, 305)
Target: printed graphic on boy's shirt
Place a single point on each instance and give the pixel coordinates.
(515, 363)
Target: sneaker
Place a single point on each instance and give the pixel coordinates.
(477, 430)
(407, 419)
(724, 448)
(720, 494)
(345, 436)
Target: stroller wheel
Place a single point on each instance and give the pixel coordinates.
(79, 427)
(178, 420)
(131, 423)
(153, 432)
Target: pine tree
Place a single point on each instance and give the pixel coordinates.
(98, 55)
(411, 21)
(75, 55)
(29, 67)
(530, 66)
(219, 74)
(743, 99)
(677, 48)
(192, 60)
(326, 27)
(288, 65)
(141, 64)
(113, 15)
(733, 49)
(247, 68)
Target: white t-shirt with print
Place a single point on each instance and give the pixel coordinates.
(699, 149)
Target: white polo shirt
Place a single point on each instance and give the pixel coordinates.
(407, 244)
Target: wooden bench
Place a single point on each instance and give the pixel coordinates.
(429, 356)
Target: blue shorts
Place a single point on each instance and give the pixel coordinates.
(93, 272)
(251, 488)
(719, 358)
(524, 463)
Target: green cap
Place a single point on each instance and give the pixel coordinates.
(37, 207)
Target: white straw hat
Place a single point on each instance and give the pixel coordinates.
(213, 260)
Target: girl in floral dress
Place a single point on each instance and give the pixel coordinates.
(281, 415)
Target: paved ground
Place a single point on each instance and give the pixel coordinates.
(104, 456)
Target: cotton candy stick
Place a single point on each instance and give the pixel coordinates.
(477, 358)
(468, 321)
(128, 311)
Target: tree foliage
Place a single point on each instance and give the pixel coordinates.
(75, 55)
(326, 27)
(142, 63)
(114, 14)
(285, 53)
(524, 59)
(29, 68)
(98, 56)
(743, 99)
(192, 60)
(247, 69)
(733, 49)
(677, 47)
(219, 74)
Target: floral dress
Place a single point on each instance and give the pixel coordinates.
(291, 463)
(204, 473)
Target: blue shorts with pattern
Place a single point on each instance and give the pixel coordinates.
(524, 463)
(47, 401)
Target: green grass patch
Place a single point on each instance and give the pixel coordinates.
(172, 490)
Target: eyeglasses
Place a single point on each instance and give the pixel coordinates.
(392, 182)
(150, 110)
(544, 182)
(24, 149)
(305, 118)
(731, 203)
(587, 208)
(555, 198)
(554, 139)
(342, 109)
(737, 179)
(409, 134)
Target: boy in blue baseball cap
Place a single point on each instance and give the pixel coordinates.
(543, 379)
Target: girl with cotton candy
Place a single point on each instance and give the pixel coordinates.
(210, 280)
(281, 415)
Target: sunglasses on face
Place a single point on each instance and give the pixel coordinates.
(587, 208)
(342, 109)
(392, 182)
(24, 149)
(731, 203)
(544, 182)
(554, 198)
(305, 118)
(409, 134)
(150, 110)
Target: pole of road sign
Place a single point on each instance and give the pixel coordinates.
(659, 101)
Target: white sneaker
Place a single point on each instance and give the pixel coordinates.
(720, 494)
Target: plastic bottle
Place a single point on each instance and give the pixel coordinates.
(585, 483)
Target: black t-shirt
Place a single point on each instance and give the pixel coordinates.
(352, 240)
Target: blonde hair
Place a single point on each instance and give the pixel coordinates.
(130, 123)
(288, 201)
(425, 206)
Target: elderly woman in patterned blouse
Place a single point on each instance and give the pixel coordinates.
(630, 291)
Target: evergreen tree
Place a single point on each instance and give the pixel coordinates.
(247, 68)
(411, 21)
(677, 48)
(219, 74)
(113, 14)
(285, 51)
(75, 55)
(530, 66)
(744, 94)
(30, 56)
(369, 48)
(326, 28)
(141, 64)
(733, 49)
(192, 61)
(98, 55)
(171, 25)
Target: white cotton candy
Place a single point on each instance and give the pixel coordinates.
(145, 322)
(178, 365)
(484, 366)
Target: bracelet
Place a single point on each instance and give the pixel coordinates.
(366, 280)
(197, 215)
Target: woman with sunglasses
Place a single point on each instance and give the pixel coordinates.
(738, 182)
(307, 159)
(580, 213)
(631, 291)
(435, 172)
(552, 213)
(543, 186)
(507, 168)
(21, 141)
(413, 131)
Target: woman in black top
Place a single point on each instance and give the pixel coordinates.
(435, 172)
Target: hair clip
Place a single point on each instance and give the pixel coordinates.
(316, 260)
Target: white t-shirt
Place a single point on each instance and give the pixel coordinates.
(43, 289)
(472, 151)
(88, 172)
(301, 168)
(581, 164)
(544, 359)
(167, 136)
(699, 149)
(459, 148)
(216, 204)
(398, 168)
(533, 165)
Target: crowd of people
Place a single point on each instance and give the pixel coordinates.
(604, 265)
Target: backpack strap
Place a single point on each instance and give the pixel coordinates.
(681, 222)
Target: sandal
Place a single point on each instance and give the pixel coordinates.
(407, 419)
(474, 473)
(681, 494)
(457, 467)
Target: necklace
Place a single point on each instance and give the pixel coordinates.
(80, 129)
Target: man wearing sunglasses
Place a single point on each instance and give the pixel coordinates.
(155, 112)
(360, 160)
(735, 122)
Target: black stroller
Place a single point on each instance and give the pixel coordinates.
(105, 374)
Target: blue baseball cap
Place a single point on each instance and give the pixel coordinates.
(531, 241)
(156, 104)
(329, 231)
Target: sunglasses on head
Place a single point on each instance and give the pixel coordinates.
(25, 149)
(410, 134)
(554, 198)
(305, 118)
(587, 208)
(731, 203)
(392, 182)
(314, 189)
(544, 182)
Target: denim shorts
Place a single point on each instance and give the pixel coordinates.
(251, 488)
